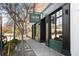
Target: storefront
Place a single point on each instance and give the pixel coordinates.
(58, 29)
(37, 35)
(54, 29)
(39, 31)
(56, 41)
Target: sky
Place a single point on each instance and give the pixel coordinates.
(4, 17)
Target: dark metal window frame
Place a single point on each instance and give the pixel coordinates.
(69, 53)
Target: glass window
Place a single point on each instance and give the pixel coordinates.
(53, 26)
(59, 27)
(59, 13)
(37, 37)
(46, 30)
(56, 25)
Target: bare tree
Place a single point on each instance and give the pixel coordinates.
(18, 12)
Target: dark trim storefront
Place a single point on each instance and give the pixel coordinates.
(42, 31)
(62, 46)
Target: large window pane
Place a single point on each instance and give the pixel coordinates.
(53, 26)
(56, 25)
(59, 13)
(59, 27)
(46, 31)
(37, 37)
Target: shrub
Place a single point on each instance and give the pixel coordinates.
(12, 44)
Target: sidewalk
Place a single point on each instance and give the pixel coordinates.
(40, 49)
(27, 51)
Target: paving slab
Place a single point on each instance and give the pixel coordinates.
(27, 51)
(42, 50)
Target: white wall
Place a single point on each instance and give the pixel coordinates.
(75, 29)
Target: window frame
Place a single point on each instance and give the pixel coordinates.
(56, 17)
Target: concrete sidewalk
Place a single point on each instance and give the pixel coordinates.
(27, 51)
(40, 49)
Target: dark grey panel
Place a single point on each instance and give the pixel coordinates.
(66, 27)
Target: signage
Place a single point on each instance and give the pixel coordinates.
(34, 17)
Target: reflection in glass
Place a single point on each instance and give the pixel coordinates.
(37, 37)
(53, 26)
(59, 27)
(46, 31)
(56, 25)
(59, 13)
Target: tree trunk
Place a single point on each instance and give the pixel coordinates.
(22, 39)
(14, 29)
